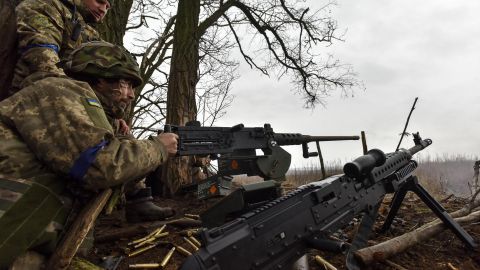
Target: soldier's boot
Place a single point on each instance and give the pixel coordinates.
(140, 208)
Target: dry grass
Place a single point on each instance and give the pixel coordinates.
(440, 175)
(446, 174)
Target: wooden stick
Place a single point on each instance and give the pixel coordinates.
(364, 143)
(75, 235)
(398, 244)
(112, 202)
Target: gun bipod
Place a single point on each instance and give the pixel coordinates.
(412, 184)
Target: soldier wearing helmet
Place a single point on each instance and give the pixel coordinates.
(48, 31)
(58, 146)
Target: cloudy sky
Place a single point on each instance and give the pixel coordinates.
(401, 49)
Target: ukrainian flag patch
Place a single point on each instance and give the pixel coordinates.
(93, 102)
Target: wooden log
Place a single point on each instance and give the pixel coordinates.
(144, 228)
(398, 244)
(75, 235)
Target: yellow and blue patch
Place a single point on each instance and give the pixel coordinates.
(94, 102)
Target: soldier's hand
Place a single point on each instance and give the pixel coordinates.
(124, 129)
(170, 141)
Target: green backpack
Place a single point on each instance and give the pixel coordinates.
(31, 215)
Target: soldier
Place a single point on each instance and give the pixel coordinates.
(48, 31)
(58, 147)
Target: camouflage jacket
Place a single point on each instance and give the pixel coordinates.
(58, 126)
(45, 31)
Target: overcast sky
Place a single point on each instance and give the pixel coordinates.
(401, 49)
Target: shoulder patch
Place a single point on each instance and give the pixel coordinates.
(97, 114)
(94, 102)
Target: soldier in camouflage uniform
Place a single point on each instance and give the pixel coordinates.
(57, 140)
(48, 31)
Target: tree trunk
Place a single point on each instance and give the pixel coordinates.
(8, 56)
(181, 106)
(114, 25)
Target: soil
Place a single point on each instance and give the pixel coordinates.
(444, 251)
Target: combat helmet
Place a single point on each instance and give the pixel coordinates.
(99, 59)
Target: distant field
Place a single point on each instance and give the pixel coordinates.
(439, 175)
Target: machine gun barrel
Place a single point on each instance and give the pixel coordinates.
(379, 165)
(296, 138)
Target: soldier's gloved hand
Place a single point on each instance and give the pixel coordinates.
(170, 141)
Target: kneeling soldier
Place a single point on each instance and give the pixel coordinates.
(58, 147)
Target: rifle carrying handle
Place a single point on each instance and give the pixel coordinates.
(365, 164)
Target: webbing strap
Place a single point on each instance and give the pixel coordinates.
(85, 160)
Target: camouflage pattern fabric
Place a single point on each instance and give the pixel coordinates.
(58, 119)
(44, 129)
(44, 30)
(105, 60)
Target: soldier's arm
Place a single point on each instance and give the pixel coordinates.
(70, 134)
(40, 32)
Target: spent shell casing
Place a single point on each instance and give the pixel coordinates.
(190, 232)
(136, 241)
(167, 257)
(195, 241)
(147, 241)
(160, 230)
(190, 243)
(183, 251)
(192, 216)
(144, 265)
(141, 250)
(161, 235)
(150, 240)
(150, 235)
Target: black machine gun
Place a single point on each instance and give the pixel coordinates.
(235, 149)
(278, 233)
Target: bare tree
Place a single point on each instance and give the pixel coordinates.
(190, 58)
(283, 38)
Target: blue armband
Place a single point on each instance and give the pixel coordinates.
(49, 46)
(85, 160)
